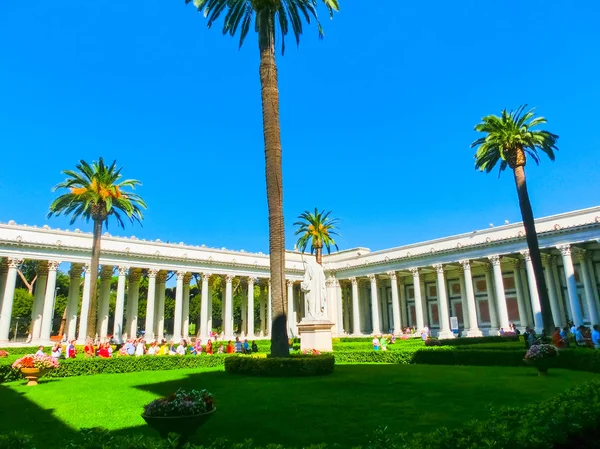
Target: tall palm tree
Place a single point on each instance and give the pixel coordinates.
(96, 191)
(270, 17)
(317, 228)
(509, 139)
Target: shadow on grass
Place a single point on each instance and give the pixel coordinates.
(25, 417)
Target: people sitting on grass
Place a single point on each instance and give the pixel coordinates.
(254, 347)
(56, 351)
(140, 348)
(230, 348)
(196, 348)
(237, 347)
(580, 337)
(88, 349)
(105, 351)
(182, 348)
(246, 349)
(71, 351)
(557, 339)
(153, 348)
(209, 347)
(40, 351)
(221, 349)
(383, 342)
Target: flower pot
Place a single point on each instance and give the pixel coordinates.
(542, 366)
(186, 426)
(32, 375)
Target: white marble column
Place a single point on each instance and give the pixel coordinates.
(533, 293)
(243, 310)
(418, 299)
(337, 289)
(403, 308)
(589, 288)
(269, 309)
(565, 251)
(547, 261)
(263, 321)
(290, 308)
(523, 319)
(489, 286)
(85, 304)
(376, 326)
(347, 308)
(150, 305)
(120, 306)
(500, 295)
(204, 329)
(210, 306)
(38, 300)
(185, 330)
(442, 295)
(73, 300)
(473, 330)
(250, 308)
(228, 327)
(9, 296)
(464, 301)
(396, 323)
(49, 297)
(133, 296)
(178, 314)
(355, 307)
(161, 280)
(562, 306)
(590, 264)
(3, 273)
(104, 303)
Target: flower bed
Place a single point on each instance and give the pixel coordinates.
(41, 362)
(181, 403)
(293, 366)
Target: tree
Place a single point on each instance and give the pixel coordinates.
(509, 139)
(270, 17)
(316, 228)
(96, 191)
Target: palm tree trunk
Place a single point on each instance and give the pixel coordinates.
(95, 262)
(274, 175)
(63, 321)
(534, 248)
(319, 255)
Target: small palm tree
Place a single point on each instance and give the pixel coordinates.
(316, 228)
(509, 139)
(271, 18)
(97, 192)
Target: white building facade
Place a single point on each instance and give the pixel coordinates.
(483, 279)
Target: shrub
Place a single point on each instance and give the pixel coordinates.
(293, 366)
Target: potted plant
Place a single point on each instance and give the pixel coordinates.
(3, 353)
(34, 366)
(542, 357)
(182, 412)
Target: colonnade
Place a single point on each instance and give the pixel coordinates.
(419, 296)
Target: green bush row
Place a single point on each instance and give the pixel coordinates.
(294, 366)
(567, 421)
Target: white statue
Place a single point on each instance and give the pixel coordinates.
(315, 290)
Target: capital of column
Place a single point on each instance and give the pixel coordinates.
(229, 278)
(415, 272)
(289, 282)
(495, 260)
(465, 264)
(516, 263)
(565, 250)
(580, 254)
(487, 267)
(354, 281)
(3, 266)
(180, 275)
(187, 278)
(400, 281)
(392, 275)
(330, 282)
(75, 271)
(439, 268)
(123, 270)
(526, 255)
(251, 281)
(372, 278)
(14, 263)
(42, 268)
(135, 275)
(152, 273)
(106, 273)
(546, 260)
(206, 277)
(87, 269)
(53, 265)
(161, 278)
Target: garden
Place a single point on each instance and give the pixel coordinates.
(402, 397)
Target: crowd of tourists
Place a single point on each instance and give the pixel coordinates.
(568, 336)
(139, 347)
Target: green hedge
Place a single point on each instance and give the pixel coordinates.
(294, 366)
(567, 421)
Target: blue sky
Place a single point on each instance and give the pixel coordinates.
(376, 119)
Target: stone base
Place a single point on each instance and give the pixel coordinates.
(492, 332)
(315, 335)
(474, 333)
(446, 334)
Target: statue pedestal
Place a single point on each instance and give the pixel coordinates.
(315, 334)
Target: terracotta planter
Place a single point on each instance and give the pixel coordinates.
(185, 426)
(32, 375)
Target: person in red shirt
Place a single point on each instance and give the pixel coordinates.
(71, 351)
(557, 340)
(229, 348)
(89, 350)
(104, 352)
(209, 349)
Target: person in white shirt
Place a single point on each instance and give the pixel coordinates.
(140, 348)
(182, 348)
(40, 351)
(56, 350)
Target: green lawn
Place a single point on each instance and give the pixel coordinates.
(342, 408)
